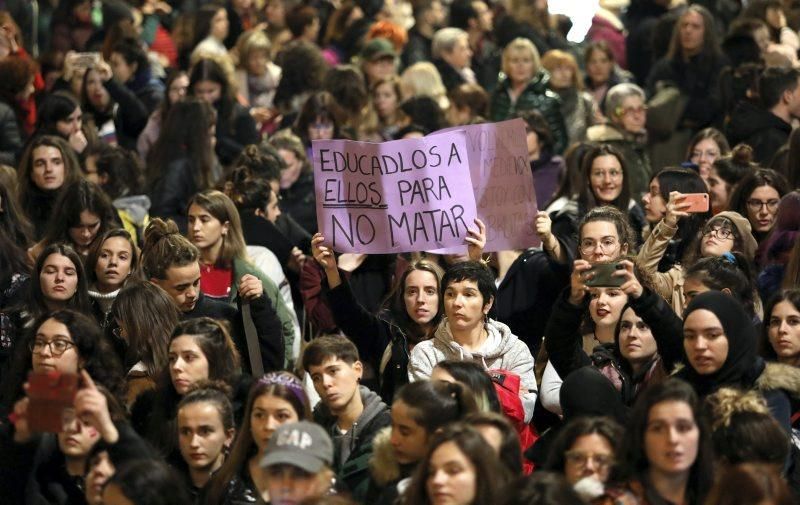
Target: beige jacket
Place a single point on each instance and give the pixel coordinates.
(668, 284)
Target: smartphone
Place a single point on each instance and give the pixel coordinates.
(698, 202)
(603, 275)
(51, 397)
(85, 60)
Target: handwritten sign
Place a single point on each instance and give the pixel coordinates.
(399, 196)
(502, 184)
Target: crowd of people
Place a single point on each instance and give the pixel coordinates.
(176, 330)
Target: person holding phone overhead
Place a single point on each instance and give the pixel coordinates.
(724, 233)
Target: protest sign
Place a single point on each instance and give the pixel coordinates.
(502, 183)
(399, 196)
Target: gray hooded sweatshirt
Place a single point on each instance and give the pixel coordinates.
(502, 350)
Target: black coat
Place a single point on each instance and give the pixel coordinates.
(170, 194)
(760, 129)
(299, 201)
(235, 129)
(451, 78)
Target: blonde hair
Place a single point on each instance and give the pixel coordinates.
(556, 58)
(519, 45)
(422, 79)
(250, 42)
(727, 402)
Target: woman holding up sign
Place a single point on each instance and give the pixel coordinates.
(412, 314)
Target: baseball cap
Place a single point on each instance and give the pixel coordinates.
(378, 48)
(302, 444)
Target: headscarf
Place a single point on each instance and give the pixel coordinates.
(742, 365)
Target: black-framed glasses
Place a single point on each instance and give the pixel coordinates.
(756, 205)
(720, 233)
(57, 347)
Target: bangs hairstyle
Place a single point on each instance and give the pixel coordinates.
(217, 346)
(556, 58)
(709, 134)
(397, 303)
(329, 347)
(74, 199)
(791, 296)
(474, 271)
(752, 181)
(319, 106)
(521, 45)
(97, 250)
(223, 210)
(55, 107)
(165, 247)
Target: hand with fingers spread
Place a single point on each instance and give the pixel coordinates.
(91, 407)
(631, 286)
(476, 241)
(250, 287)
(676, 208)
(577, 281)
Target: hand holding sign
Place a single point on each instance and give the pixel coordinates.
(326, 259)
(476, 240)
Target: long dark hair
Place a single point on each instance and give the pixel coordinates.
(74, 199)
(55, 107)
(36, 303)
(184, 133)
(633, 457)
(209, 70)
(684, 181)
(605, 427)
(586, 198)
(397, 304)
(26, 189)
(784, 295)
(433, 404)
(97, 248)
(490, 474)
(15, 236)
(710, 40)
(752, 181)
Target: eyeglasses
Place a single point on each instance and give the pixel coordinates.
(756, 205)
(607, 245)
(601, 461)
(720, 233)
(601, 174)
(634, 110)
(57, 347)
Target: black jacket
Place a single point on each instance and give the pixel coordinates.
(170, 194)
(10, 135)
(372, 335)
(299, 201)
(760, 129)
(451, 78)
(417, 49)
(234, 131)
(128, 113)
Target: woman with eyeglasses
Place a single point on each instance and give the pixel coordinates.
(708, 145)
(605, 184)
(757, 197)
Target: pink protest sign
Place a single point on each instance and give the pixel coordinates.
(502, 183)
(400, 196)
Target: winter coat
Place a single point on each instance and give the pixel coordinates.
(417, 49)
(234, 132)
(760, 129)
(501, 350)
(608, 27)
(10, 136)
(451, 77)
(634, 150)
(127, 112)
(133, 211)
(170, 194)
(353, 450)
(299, 201)
(578, 109)
(536, 96)
(387, 475)
(380, 342)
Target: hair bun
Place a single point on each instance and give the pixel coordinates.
(742, 154)
(157, 230)
(213, 385)
(727, 402)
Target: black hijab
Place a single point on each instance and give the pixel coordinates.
(742, 366)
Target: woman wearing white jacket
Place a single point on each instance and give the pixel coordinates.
(467, 332)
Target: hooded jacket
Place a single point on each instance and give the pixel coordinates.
(388, 476)
(501, 350)
(352, 450)
(759, 128)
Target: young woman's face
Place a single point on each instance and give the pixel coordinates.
(762, 208)
(205, 230)
(451, 477)
(599, 67)
(718, 190)
(784, 331)
(321, 129)
(269, 412)
(84, 233)
(589, 456)
(464, 305)
(599, 242)
(47, 168)
(289, 485)
(606, 305)
(409, 440)
(606, 178)
(520, 67)
(114, 263)
(704, 154)
(54, 350)
(561, 77)
(208, 91)
(294, 166)
(705, 342)
(202, 438)
(58, 278)
(256, 63)
(691, 288)
(178, 89)
(220, 25)
(421, 296)
(96, 91)
(636, 342)
(71, 124)
(655, 208)
(671, 438)
(385, 100)
(187, 363)
(77, 439)
(718, 238)
(123, 71)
